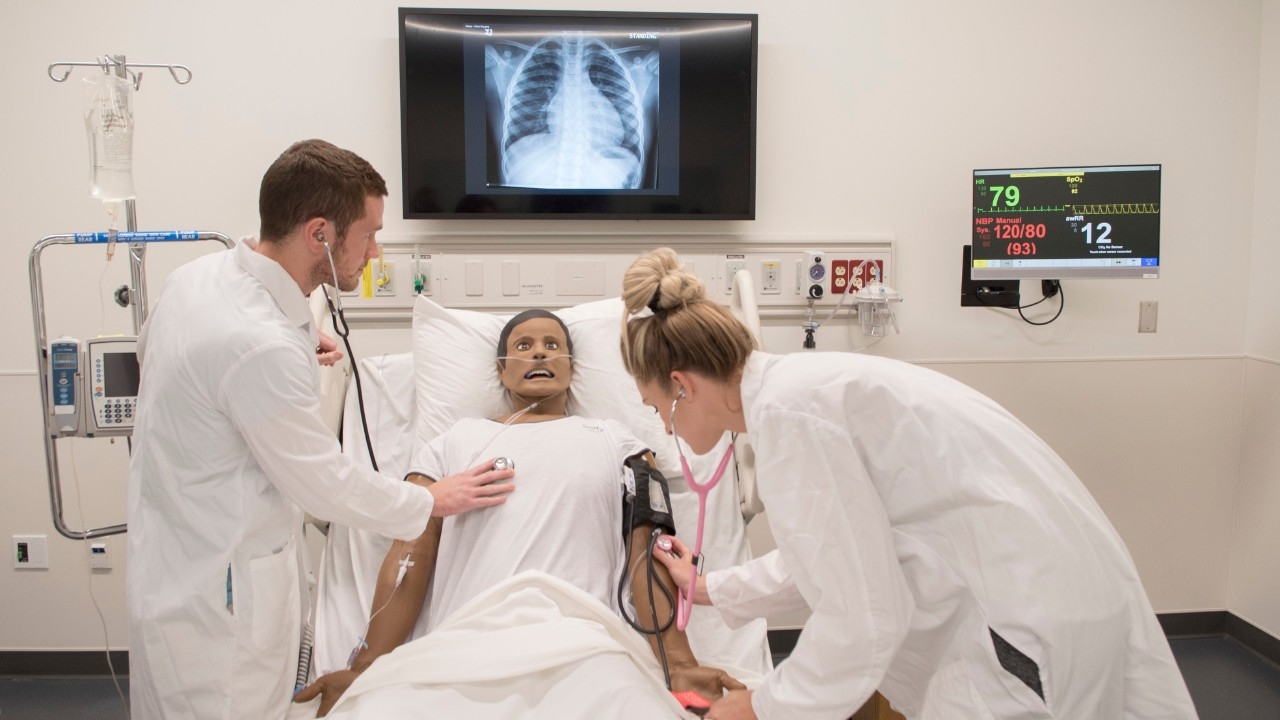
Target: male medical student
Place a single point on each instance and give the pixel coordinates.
(230, 451)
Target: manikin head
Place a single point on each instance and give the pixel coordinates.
(534, 361)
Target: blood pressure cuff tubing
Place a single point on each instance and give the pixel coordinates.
(646, 498)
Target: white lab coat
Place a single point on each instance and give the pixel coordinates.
(229, 452)
(914, 516)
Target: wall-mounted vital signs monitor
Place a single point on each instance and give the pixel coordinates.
(1056, 222)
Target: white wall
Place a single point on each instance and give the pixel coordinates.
(871, 117)
(1254, 590)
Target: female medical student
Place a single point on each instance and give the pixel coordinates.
(948, 557)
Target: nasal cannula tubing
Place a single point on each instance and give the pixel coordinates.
(519, 413)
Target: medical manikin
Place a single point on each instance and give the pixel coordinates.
(585, 500)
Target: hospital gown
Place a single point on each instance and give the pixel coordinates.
(564, 520)
(949, 557)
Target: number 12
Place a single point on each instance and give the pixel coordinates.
(1103, 239)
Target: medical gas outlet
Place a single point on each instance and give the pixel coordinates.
(384, 279)
(421, 272)
(817, 274)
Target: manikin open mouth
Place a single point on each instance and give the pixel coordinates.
(539, 373)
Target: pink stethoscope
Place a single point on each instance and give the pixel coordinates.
(685, 606)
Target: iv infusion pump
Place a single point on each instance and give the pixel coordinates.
(93, 386)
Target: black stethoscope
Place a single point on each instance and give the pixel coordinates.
(334, 301)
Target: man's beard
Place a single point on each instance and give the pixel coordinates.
(322, 274)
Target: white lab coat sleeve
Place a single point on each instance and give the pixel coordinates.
(755, 589)
(834, 538)
(298, 454)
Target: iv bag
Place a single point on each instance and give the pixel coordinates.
(108, 120)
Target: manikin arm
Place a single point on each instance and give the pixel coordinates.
(395, 609)
(686, 673)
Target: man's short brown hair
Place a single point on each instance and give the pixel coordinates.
(311, 179)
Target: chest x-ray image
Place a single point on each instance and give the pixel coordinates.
(572, 110)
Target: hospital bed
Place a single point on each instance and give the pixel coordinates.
(411, 397)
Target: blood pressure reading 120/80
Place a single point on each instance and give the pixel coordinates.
(1067, 217)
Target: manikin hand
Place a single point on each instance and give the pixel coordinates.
(327, 352)
(329, 688)
(708, 682)
(479, 487)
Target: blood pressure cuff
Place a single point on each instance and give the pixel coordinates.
(645, 497)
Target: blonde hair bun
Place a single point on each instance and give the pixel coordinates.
(658, 281)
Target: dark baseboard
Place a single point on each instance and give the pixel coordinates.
(63, 662)
(1213, 623)
(1254, 638)
(1210, 623)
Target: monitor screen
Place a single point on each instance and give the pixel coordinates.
(120, 373)
(533, 114)
(1056, 222)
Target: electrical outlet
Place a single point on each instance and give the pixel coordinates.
(864, 272)
(770, 277)
(839, 276)
(31, 552)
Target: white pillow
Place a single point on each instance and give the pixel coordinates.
(455, 354)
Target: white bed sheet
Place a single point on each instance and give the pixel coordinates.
(530, 648)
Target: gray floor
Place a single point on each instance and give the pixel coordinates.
(1227, 682)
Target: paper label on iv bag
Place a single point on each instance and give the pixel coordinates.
(113, 165)
(117, 150)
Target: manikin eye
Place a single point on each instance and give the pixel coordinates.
(522, 345)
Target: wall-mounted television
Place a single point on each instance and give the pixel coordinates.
(1056, 222)
(577, 114)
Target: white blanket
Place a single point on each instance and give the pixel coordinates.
(530, 648)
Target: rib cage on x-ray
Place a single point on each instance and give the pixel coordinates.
(573, 118)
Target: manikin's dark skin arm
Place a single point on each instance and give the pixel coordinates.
(396, 610)
(686, 673)
(651, 602)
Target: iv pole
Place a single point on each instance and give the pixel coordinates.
(135, 297)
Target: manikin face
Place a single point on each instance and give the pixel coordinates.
(698, 427)
(355, 249)
(538, 364)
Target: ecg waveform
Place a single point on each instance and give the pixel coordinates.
(1117, 209)
(1021, 210)
(1092, 209)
